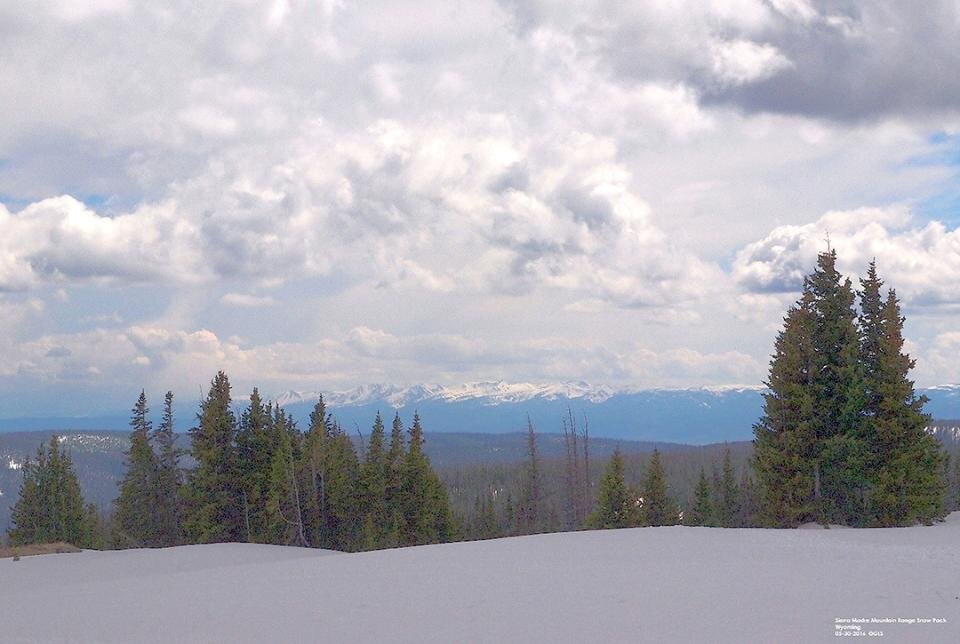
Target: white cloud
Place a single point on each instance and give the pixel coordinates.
(921, 261)
(742, 61)
(246, 300)
(436, 191)
(185, 359)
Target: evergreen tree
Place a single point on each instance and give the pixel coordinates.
(842, 436)
(50, 507)
(528, 515)
(313, 470)
(137, 519)
(342, 492)
(169, 478)
(395, 462)
(373, 476)
(283, 512)
(839, 390)
(615, 507)
(907, 485)
(488, 526)
(427, 515)
(728, 509)
(658, 508)
(749, 500)
(214, 490)
(702, 513)
(871, 336)
(94, 530)
(784, 438)
(256, 443)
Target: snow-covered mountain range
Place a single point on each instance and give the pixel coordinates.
(490, 393)
(691, 415)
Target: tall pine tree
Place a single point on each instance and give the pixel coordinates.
(907, 484)
(728, 508)
(137, 520)
(702, 513)
(169, 478)
(214, 490)
(373, 476)
(427, 515)
(658, 508)
(50, 507)
(615, 508)
(784, 444)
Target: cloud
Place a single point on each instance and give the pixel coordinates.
(510, 190)
(174, 358)
(391, 205)
(740, 62)
(839, 61)
(921, 261)
(245, 300)
(855, 61)
(61, 240)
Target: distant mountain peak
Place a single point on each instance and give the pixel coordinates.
(492, 392)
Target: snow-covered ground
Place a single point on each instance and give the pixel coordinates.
(641, 585)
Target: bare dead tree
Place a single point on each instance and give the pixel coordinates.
(587, 492)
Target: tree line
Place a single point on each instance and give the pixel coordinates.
(257, 478)
(842, 439)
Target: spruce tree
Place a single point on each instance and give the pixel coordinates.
(50, 507)
(284, 510)
(395, 461)
(427, 515)
(137, 520)
(313, 470)
(839, 389)
(749, 500)
(784, 444)
(373, 477)
(342, 492)
(256, 442)
(842, 437)
(907, 485)
(728, 509)
(29, 514)
(658, 508)
(169, 478)
(702, 512)
(615, 507)
(487, 525)
(214, 491)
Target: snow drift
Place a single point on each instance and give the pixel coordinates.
(635, 585)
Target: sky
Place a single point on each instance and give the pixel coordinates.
(320, 194)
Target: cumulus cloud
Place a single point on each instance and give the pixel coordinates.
(432, 191)
(921, 261)
(392, 205)
(60, 239)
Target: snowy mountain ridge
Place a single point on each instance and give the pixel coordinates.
(488, 392)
